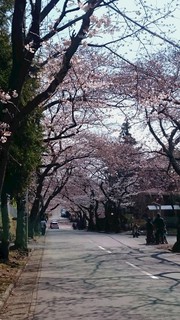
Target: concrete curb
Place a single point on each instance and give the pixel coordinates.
(31, 310)
(9, 289)
(5, 295)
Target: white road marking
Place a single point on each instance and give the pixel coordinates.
(101, 248)
(142, 271)
(108, 251)
(133, 265)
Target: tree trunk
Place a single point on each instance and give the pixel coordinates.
(33, 227)
(3, 162)
(4, 249)
(21, 229)
(176, 246)
(33, 218)
(96, 215)
(91, 224)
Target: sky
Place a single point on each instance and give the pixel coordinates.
(133, 49)
(142, 11)
(144, 43)
(168, 27)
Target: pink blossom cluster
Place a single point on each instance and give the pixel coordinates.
(5, 97)
(4, 132)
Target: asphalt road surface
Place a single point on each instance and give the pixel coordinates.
(89, 276)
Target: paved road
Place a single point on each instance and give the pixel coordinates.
(100, 276)
(105, 276)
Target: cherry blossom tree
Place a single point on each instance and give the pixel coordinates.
(151, 99)
(160, 99)
(37, 44)
(111, 179)
(64, 142)
(46, 37)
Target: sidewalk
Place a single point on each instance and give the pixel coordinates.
(17, 300)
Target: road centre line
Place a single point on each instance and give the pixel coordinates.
(142, 271)
(104, 249)
(133, 265)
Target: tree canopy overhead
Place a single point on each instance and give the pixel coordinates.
(53, 41)
(46, 34)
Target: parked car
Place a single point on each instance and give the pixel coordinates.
(54, 225)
